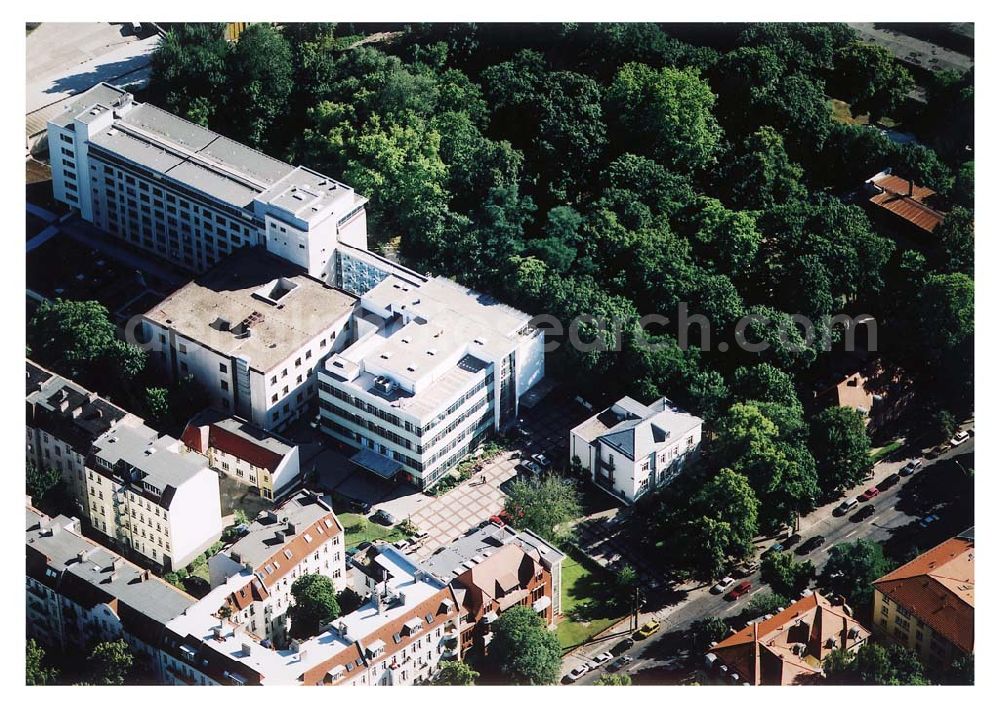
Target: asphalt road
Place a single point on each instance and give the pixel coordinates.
(897, 511)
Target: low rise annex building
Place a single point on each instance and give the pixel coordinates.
(189, 195)
(244, 452)
(301, 536)
(631, 449)
(431, 370)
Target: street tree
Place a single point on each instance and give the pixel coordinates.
(786, 575)
(761, 604)
(543, 505)
(315, 604)
(524, 650)
(36, 673)
(838, 436)
(705, 632)
(110, 663)
(613, 680)
(851, 569)
(456, 673)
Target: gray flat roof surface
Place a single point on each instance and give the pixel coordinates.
(481, 543)
(227, 292)
(151, 453)
(150, 596)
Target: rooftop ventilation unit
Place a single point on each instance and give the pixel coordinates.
(384, 385)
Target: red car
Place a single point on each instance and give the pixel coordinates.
(741, 590)
(870, 493)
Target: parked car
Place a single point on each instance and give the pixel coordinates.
(384, 517)
(420, 536)
(864, 513)
(530, 467)
(619, 663)
(518, 432)
(846, 507)
(623, 646)
(401, 544)
(577, 672)
(888, 482)
(929, 520)
(911, 466)
(361, 506)
(541, 460)
(870, 493)
(601, 658)
(746, 568)
(812, 543)
(791, 541)
(741, 590)
(647, 629)
(776, 547)
(959, 438)
(722, 585)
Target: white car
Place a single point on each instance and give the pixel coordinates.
(577, 672)
(722, 585)
(959, 438)
(601, 658)
(542, 460)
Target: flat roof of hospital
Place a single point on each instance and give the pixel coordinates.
(245, 288)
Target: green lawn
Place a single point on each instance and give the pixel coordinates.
(358, 529)
(585, 611)
(882, 452)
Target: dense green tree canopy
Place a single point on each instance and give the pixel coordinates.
(315, 604)
(542, 505)
(523, 650)
(852, 568)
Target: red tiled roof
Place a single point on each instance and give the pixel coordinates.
(938, 587)
(896, 199)
(764, 652)
(431, 606)
(299, 548)
(230, 443)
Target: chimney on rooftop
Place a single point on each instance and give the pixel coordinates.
(909, 183)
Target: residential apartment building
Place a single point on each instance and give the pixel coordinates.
(252, 332)
(493, 569)
(398, 637)
(78, 592)
(260, 459)
(154, 500)
(62, 421)
(789, 647)
(189, 195)
(928, 605)
(301, 536)
(430, 371)
(631, 449)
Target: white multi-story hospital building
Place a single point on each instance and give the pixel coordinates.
(432, 369)
(190, 195)
(412, 371)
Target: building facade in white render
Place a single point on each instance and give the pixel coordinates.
(189, 195)
(244, 452)
(301, 536)
(252, 332)
(154, 500)
(631, 449)
(432, 368)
